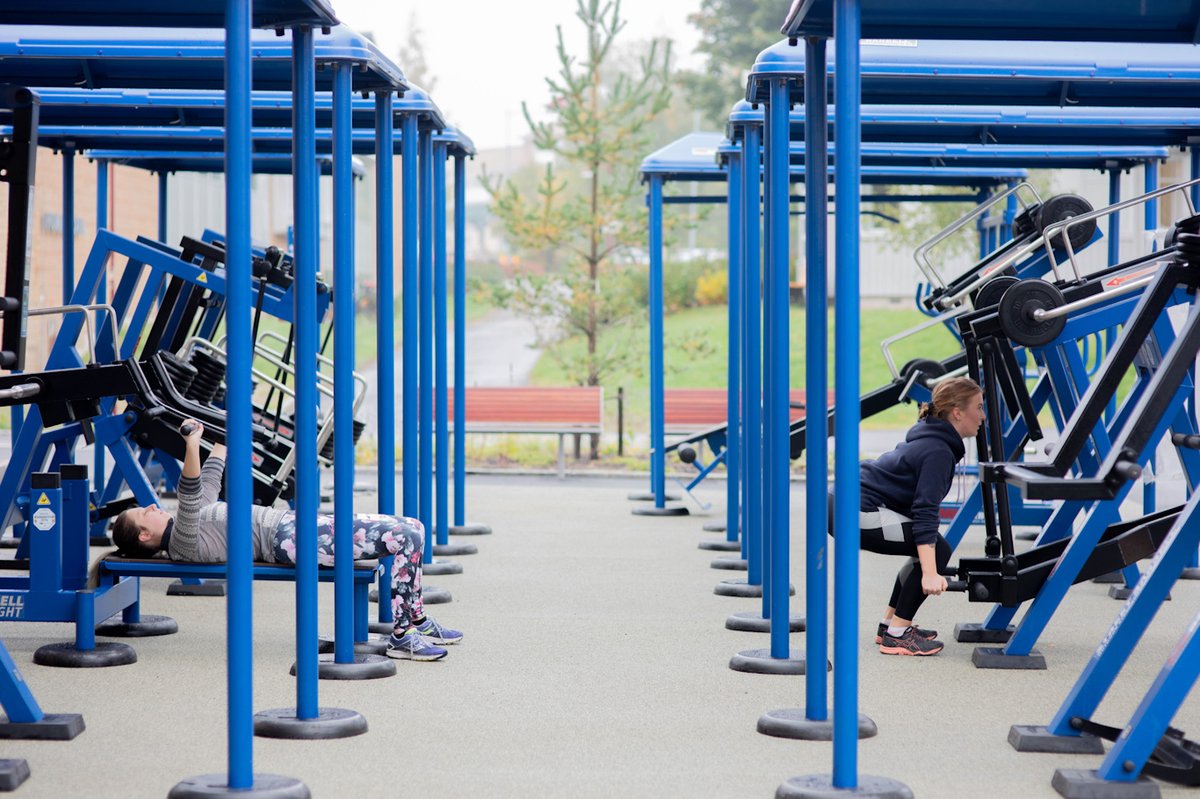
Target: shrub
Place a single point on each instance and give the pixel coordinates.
(712, 288)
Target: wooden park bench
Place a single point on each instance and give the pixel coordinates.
(560, 411)
(687, 410)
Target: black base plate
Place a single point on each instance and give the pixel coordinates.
(1121, 592)
(972, 633)
(759, 661)
(363, 667)
(1030, 738)
(454, 550)
(744, 589)
(206, 588)
(65, 655)
(793, 723)
(720, 545)
(1190, 573)
(52, 727)
(374, 645)
(993, 657)
(730, 564)
(714, 527)
(149, 625)
(648, 496)
(1084, 784)
(331, 722)
(13, 772)
(469, 529)
(751, 621)
(440, 567)
(666, 510)
(266, 786)
(380, 627)
(820, 786)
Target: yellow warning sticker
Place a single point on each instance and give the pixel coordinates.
(202, 278)
(43, 500)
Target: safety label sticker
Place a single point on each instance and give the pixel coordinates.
(43, 518)
(43, 500)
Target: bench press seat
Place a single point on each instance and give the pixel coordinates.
(119, 566)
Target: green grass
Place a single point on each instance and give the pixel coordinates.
(696, 345)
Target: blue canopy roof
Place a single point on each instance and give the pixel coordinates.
(973, 124)
(1075, 20)
(457, 142)
(698, 157)
(262, 163)
(204, 108)
(1003, 73)
(190, 139)
(160, 14)
(91, 58)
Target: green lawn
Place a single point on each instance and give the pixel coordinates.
(696, 356)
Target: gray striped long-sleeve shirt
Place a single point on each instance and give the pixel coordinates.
(201, 531)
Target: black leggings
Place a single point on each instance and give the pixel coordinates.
(897, 539)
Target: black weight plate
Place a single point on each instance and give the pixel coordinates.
(1062, 208)
(1189, 225)
(991, 292)
(1017, 307)
(926, 366)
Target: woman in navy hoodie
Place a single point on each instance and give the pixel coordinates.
(899, 510)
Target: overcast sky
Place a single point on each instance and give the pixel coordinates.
(489, 56)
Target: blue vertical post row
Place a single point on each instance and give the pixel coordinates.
(306, 252)
(343, 368)
(410, 267)
(440, 374)
(103, 170)
(460, 340)
(68, 223)
(162, 206)
(848, 91)
(768, 348)
(238, 479)
(751, 374)
(425, 339)
(734, 373)
(778, 471)
(816, 382)
(385, 329)
(657, 438)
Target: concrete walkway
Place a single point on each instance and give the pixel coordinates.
(595, 665)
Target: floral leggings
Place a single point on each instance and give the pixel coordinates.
(375, 535)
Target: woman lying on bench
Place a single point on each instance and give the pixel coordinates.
(198, 533)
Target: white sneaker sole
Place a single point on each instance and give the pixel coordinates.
(400, 654)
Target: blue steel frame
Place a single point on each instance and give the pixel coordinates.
(843, 17)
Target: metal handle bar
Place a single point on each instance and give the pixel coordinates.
(1061, 227)
(21, 392)
(886, 344)
(63, 310)
(1041, 314)
(921, 254)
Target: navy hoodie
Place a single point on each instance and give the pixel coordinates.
(915, 477)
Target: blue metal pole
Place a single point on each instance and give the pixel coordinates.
(68, 223)
(440, 409)
(734, 373)
(102, 176)
(409, 359)
(1194, 158)
(306, 253)
(1114, 219)
(1010, 215)
(385, 327)
(343, 368)
(768, 349)
(778, 471)
(751, 374)
(460, 340)
(816, 400)
(657, 438)
(240, 638)
(1150, 476)
(848, 91)
(162, 206)
(425, 338)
